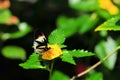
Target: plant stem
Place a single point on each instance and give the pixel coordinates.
(51, 69)
(95, 65)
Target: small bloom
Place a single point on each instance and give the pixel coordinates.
(4, 4)
(12, 20)
(52, 53)
(109, 6)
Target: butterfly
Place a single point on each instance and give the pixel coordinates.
(40, 44)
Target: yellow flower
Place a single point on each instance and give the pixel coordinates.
(53, 52)
(109, 6)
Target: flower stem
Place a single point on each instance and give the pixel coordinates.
(95, 65)
(51, 69)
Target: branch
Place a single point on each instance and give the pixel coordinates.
(95, 65)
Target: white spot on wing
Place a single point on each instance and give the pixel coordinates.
(41, 38)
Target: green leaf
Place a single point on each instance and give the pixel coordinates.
(104, 13)
(63, 46)
(103, 49)
(66, 57)
(67, 25)
(24, 29)
(14, 52)
(5, 16)
(111, 24)
(95, 76)
(103, 33)
(32, 63)
(87, 22)
(80, 53)
(86, 5)
(56, 37)
(59, 76)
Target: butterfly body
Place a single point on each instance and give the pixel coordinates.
(40, 44)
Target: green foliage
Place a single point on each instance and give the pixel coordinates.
(71, 25)
(5, 15)
(95, 76)
(59, 76)
(56, 37)
(110, 24)
(86, 5)
(67, 25)
(80, 53)
(87, 14)
(66, 57)
(14, 52)
(63, 46)
(32, 63)
(104, 48)
(103, 13)
(103, 33)
(24, 29)
(87, 22)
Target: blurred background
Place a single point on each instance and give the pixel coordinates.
(21, 21)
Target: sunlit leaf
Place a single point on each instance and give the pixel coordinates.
(104, 13)
(86, 5)
(95, 76)
(24, 29)
(103, 49)
(14, 52)
(67, 25)
(59, 76)
(87, 22)
(32, 63)
(103, 33)
(63, 46)
(80, 53)
(66, 57)
(56, 37)
(111, 24)
(5, 16)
